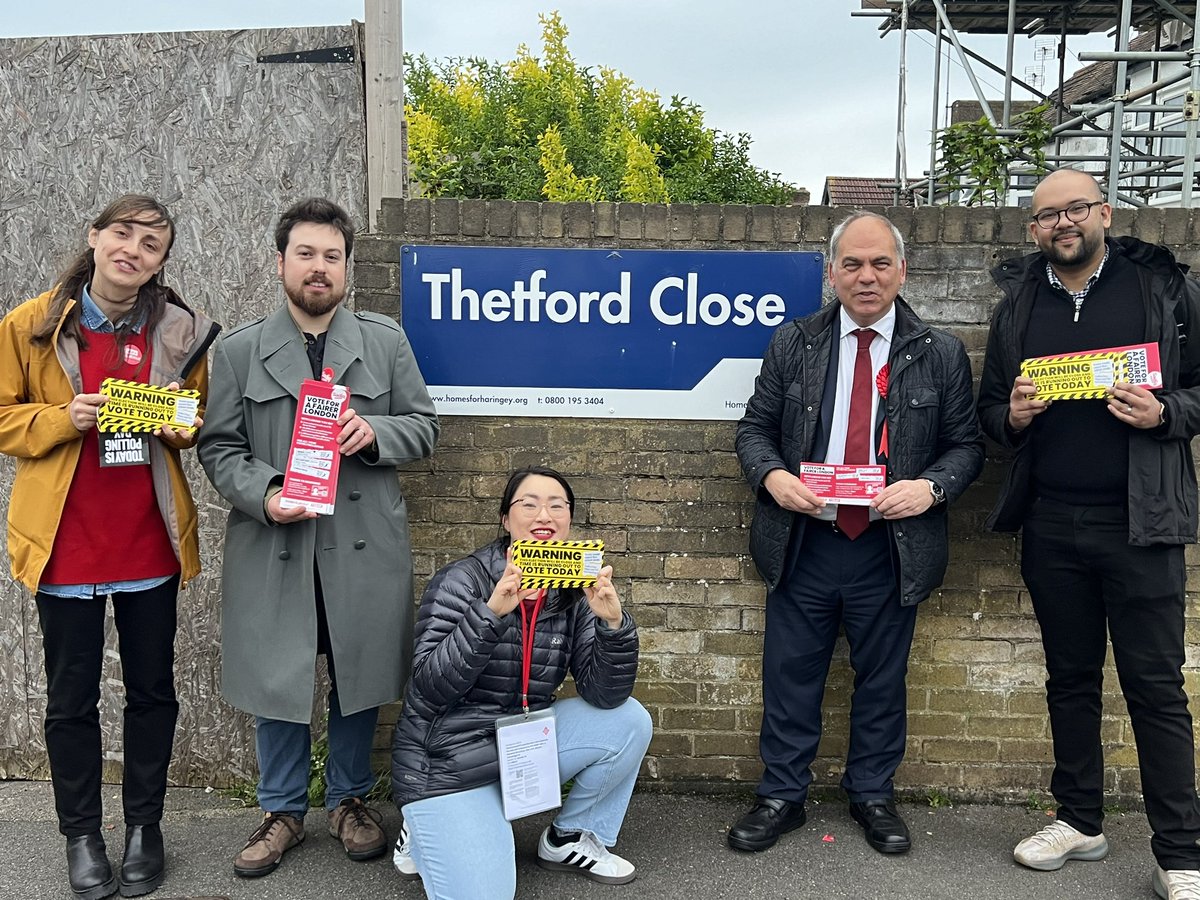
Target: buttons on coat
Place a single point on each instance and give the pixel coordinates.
(354, 495)
(285, 554)
(358, 545)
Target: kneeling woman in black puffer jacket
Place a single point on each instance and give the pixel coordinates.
(469, 670)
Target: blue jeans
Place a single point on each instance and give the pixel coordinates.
(285, 748)
(462, 844)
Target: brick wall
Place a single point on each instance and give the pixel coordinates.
(669, 501)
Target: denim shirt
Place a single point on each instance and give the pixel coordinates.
(93, 319)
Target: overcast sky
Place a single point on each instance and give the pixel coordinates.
(813, 86)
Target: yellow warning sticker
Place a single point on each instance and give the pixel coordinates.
(133, 406)
(1075, 376)
(558, 563)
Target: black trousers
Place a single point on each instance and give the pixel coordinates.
(73, 642)
(1087, 583)
(831, 583)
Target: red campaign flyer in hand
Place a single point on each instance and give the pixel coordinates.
(849, 485)
(312, 471)
(1142, 366)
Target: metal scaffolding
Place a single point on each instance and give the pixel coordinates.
(1139, 136)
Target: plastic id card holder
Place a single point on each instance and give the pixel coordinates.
(528, 746)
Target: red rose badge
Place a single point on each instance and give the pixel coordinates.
(881, 385)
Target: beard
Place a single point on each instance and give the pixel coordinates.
(313, 305)
(1087, 247)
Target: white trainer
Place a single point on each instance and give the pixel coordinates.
(402, 856)
(586, 856)
(1177, 884)
(1047, 850)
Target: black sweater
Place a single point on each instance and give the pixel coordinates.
(1080, 451)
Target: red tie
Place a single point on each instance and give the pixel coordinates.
(852, 520)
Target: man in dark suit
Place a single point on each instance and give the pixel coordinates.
(861, 382)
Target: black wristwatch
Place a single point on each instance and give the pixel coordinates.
(939, 495)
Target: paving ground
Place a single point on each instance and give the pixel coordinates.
(677, 843)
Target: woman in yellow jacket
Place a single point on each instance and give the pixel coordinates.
(81, 529)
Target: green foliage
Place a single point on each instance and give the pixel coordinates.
(381, 790)
(243, 792)
(1036, 803)
(977, 159)
(937, 799)
(533, 129)
(316, 770)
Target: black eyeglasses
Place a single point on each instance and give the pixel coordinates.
(1076, 212)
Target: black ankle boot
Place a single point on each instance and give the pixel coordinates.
(142, 868)
(88, 867)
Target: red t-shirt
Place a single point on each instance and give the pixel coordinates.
(111, 528)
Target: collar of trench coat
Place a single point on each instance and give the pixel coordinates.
(281, 348)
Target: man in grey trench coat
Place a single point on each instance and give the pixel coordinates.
(296, 584)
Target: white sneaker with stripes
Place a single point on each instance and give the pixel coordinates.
(402, 857)
(586, 856)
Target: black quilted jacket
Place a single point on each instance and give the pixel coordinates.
(933, 433)
(467, 672)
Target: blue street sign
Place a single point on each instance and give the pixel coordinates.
(623, 333)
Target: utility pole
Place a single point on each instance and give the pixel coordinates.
(383, 66)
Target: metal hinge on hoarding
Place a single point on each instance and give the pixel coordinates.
(323, 55)
(1191, 105)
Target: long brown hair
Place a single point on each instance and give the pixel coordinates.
(152, 296)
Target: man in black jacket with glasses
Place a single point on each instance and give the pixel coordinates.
(1104, 492)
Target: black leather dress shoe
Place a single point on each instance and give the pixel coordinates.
(88, 868)
(767, 820)
(885, 830)
(142, 868)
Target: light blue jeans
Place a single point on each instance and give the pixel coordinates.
(285, 748)
(462, 844)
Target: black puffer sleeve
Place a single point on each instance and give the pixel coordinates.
(456, 635)
(604, 660)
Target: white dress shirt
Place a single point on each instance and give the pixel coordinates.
(847, 354)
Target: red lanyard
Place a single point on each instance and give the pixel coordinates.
(528, 625)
